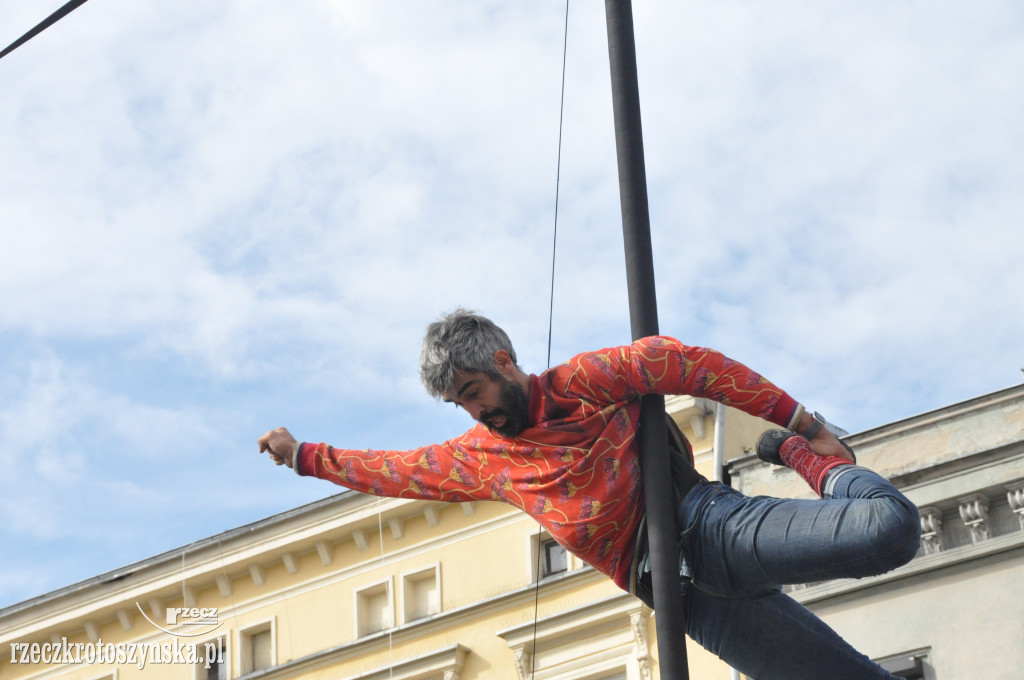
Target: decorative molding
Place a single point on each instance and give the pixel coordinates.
(397, 527)
(691, 410)
(583, 640)
(156, 608)
(325, 552)
(974, 513)
(931, 530)
(258, 573)
(1015, 497)
(432, 514)
(125, 618)
(93, 631)
(468, 508)
(524, 663)
(359, 536)
(697, 425)
(920, 565)
(638, 622)
(446, 663)
(290, 563)
(223, 585)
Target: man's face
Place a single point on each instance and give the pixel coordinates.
(500, 404)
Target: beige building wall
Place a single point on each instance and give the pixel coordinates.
(420, 590)
(358, 587)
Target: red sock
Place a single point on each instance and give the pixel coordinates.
(797, 454)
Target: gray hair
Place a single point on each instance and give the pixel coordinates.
(460, 341)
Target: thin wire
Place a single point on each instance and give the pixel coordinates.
(558, 182)
(387, 588)
(551, 325)
(231, 595)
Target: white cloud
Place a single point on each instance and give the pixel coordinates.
(219, 218)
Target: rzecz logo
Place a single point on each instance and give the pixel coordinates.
(205, 618)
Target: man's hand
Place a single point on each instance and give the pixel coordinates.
(824, 443)
(280, 444)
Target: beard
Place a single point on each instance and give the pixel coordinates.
(514, 407)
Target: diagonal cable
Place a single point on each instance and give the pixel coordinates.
(551, 319)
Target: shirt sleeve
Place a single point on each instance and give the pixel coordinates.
(445, 472)
(663, 365)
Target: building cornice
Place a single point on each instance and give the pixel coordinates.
(249, 549)
(447, 660)
(919, 566)
(927, 419)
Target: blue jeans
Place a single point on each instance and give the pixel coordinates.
(741, 549)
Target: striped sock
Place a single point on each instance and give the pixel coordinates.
(797, 454)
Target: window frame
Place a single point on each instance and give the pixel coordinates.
(417, 575)
(245, 652)
(359, 608)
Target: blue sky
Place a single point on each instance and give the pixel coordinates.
(222, 217)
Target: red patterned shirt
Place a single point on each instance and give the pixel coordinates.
(575, 467)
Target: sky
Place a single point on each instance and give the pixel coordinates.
(222, 217)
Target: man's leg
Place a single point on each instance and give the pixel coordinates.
(738, 545)
(772, 637)
(740, 549)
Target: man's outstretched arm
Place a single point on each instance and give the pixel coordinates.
(445, 471)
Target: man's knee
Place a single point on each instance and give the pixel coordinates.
(900, 535)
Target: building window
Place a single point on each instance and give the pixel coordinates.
(213, 660)
(257, 647)
(421, 593)
(909, 666)
(373, 609)
(554, 558)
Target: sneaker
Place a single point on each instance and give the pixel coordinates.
(769, 444)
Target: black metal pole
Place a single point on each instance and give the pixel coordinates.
(663, 537)
(66, 9)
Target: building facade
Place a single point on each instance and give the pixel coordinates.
(356, 587)
(950, 613)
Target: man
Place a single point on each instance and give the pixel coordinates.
(562, 447)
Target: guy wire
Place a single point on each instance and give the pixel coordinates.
(387, 589)
(551, 317)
